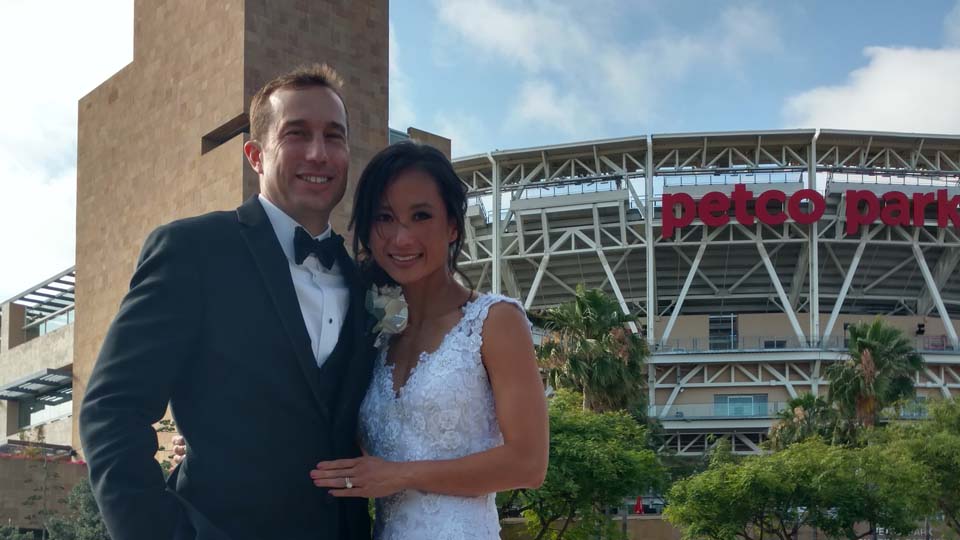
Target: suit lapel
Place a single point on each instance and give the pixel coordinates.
(275, 271)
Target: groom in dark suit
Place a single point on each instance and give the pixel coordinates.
(251, 325)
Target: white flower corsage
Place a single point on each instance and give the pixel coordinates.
(389, 307)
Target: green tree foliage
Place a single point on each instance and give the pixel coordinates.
(9, 532)
(805, 417)
(878, 373)
(596, 459)
(935, 444)
(809, 484)
(83, 521)
(592, 351)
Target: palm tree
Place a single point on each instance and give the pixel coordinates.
(879, 372)
(806, 416)
(591, 350)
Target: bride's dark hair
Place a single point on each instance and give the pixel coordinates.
(374, 180)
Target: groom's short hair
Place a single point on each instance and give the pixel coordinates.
(319, 75)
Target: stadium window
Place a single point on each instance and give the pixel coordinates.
(723, 332)
(740, 405)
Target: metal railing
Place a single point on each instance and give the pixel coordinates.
(770, 410)
(932, 343)
(713, 411)
(54, 321)
(894, 179)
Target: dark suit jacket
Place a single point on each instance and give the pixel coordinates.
(212, 325)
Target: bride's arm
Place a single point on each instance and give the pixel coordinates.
(521, 462)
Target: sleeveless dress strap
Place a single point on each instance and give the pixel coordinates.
(480, 308)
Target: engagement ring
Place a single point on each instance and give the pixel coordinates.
(347, 483)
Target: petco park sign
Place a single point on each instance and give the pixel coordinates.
(861, 208)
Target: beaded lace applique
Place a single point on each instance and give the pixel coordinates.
(445, 410)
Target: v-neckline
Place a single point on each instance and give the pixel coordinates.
(397, 392)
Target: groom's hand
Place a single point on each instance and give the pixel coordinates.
(366, 476)
(179, 448)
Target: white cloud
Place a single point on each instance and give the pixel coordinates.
(571, 65)
(951, 27)
(401, 110)
(541, 38)
(900, 89)
(38, 219)
(464, 131)
(55, 52)
(539, 104)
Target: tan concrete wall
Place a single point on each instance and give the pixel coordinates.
(53, 350)
(425, 137)
(757, 325)
(705, 395)
(778, 325)
(196, 66)
(697, 395)
(12, 317)
(23, 478)
(907, 324)
(686, 327)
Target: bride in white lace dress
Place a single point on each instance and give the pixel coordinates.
(455, 410)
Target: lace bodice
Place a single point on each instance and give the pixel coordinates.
(444, 411)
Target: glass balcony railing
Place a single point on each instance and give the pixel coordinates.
(714, 411)
(933, 343)
(52, 322)
(719, 411)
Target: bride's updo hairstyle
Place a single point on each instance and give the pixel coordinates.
(374, 180)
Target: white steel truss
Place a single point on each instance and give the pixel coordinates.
(591, 213)
(581, 214)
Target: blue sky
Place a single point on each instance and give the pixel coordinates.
(506, 74)
(498, 74)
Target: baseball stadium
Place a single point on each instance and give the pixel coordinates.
(747, 254)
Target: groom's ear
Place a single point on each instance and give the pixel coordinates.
(254, 154)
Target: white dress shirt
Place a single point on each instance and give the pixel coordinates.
(323, 294)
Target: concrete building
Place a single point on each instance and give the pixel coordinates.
(36, 365)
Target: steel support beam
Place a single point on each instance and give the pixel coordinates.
(676, 389)
(536, 281)
(509, 279)
(945, 267)
(650, 240)
(651, 267)
(799, 275)
(933, 290)
(616, 287)
(814, 249)
(483, 275)
(495, 278)
(865, 237)
(775, 279)
(694, 267)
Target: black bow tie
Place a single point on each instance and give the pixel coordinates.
(326, 250)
